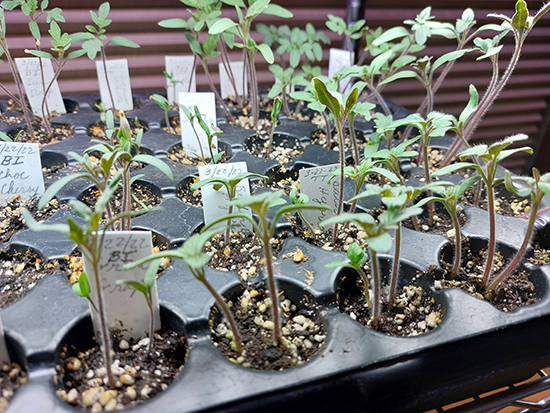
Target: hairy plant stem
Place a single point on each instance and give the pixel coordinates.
(26, 113)
(492, 236)
(365, 278)
(227, 65)
(228, 229)
(218, 97)
(375, 273)
(104, 60)
(431, 208)
(200, 275)
(151, 323)
(265, 237)
(395, 266)
(519, 255)
(46, 115)
(353, 138)
(285, 102)
(381, 100)
(125, 222)
(254, 87)
(105, 337)
(488, 99)
(458, 243)
(342, 165)
(327, 128)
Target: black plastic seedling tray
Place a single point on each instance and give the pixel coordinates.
(476, 348)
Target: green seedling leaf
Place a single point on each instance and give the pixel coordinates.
(156, 162)
(391, 34)
(326, 98)
(266, 52)
(82, 287)
(122, 41)
(519, 20)
(222, 25)
(471, 107)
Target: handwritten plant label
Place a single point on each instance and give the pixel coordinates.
(125, 307)
(119, 82)
(181, 68)
(339, 58)
(20, 171)
(31, 75)
(314, 183)
(215, 202)
(226, 88)
(191, 145)
(4, 354)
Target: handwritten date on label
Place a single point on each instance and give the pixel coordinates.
(20, 171)
(126, 309)
(215, 202)
(314, 183)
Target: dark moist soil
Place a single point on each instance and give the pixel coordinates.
(81, 376)
(11, 218)
(11, 378)
(177, 154)
(97, 130)
(20, 272)
(324, 239)
(303, 332)
(540, 255)
(244, 254)
(146, 197)
(414, 312)
(513, 292)
(282, 154)
(41, 136)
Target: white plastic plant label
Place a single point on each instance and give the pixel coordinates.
(119, 83)
(194, 141)
(125, 307)
(314, 183)
(215, 202)
(181, 70)
(226, 88)
(31, 75)
(339, 58)
(4, 354)
(20, 171)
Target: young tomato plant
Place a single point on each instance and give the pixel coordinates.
(192, 254)
(265, 230)
(95, 40)
(146, 288)
(491, 156)
(535, 187)
(230, 186)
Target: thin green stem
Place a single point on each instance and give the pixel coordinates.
(517, 259)
(492, 236)
(458, 242)
(225, 308)
(342, 165)
(376, 311)
(395, 267)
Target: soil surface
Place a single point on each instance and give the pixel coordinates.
(514, 291)
(20, 272)
(41, 135)
(302, 328)
(414, 311)
(11, 378)
(243, 253)
(82, 381)
(97, 130)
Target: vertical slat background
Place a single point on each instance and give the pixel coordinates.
(521, 107)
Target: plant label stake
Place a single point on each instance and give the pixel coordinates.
(125, 308)
(314, 183)
(20, 171)
(226, 88)
(119, 81)
(185, 80)
(189, 133)
(215, 201)
(338, 59)
(29, 69)
(4, 354)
